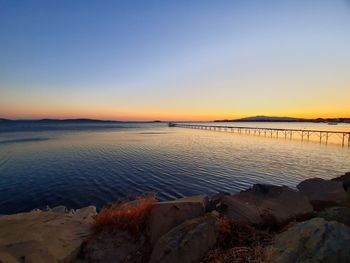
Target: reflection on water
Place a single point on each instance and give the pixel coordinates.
(79, 167)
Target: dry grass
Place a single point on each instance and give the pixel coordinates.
(127, 216)
(239, 243)
(237, 255)
(232, 234)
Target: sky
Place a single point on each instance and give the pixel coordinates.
(174, 60)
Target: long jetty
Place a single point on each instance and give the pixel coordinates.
(304, 135)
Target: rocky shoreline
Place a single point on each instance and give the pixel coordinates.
(265, 223)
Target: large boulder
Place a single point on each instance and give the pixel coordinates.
(166, 215)
(339, 214)
(345, 179)
(112, 245)
(267, 205)
(315, 240)
(7, 258)
(188, 242)
(44, 236)
(324, 193)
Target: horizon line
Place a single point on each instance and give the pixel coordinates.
(160, 120)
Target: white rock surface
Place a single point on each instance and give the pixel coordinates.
(44, 236)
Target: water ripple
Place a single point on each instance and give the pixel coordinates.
(23, 140)
(84, 167)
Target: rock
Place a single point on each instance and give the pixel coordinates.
(241, 211)
(166, 215)
(186, 243)
(345, 179)
(315, 240)
(86, 214)
(324, 193)
(59, 209)
(44, 236)
(339, 214)
(116, 246)
(126, 242)
(214, 202)
(267, 205)
(7, 258)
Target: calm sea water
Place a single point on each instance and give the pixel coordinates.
(95, 164)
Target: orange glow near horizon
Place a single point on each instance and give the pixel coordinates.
(163, 116)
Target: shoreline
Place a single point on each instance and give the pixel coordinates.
(279, 212)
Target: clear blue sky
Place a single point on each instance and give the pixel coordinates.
(174, 59)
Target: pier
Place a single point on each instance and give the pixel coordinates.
(343, 138)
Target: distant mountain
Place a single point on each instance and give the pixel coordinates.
(264, 119)
(83, 120)
(60, 121)
(286, 119)
(77, 120)
(4, 120)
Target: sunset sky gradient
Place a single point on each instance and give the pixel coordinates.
(174, 60)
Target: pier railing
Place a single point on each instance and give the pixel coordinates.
(303, 135)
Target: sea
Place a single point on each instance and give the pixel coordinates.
(80, 164)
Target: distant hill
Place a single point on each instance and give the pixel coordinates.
(285, 119)
(60, 120)
(71, 121)
(77, 120)
(4, 120)
(264, 119)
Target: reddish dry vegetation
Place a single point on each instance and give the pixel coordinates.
(127, 216)
(239, 243)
